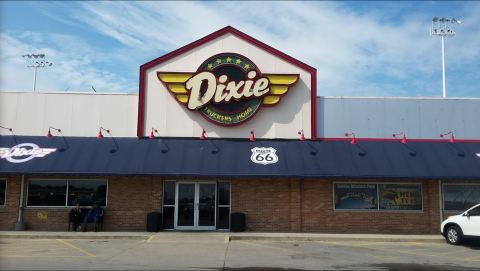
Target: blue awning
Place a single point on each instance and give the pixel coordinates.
(233, 158)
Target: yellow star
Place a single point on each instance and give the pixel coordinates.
(247, 66)
(219, 60)
(238, 61)
(210, 66)
(229, 59)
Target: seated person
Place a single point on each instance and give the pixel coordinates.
(76, 216)
(95, 216)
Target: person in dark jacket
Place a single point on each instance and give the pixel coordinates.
(76, 216)
(95, 215)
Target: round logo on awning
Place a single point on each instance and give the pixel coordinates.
(24, 152)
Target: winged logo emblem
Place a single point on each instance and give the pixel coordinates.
(24, 152)
(227, 89)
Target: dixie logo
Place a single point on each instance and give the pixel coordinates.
(227, 89)
(24, 152)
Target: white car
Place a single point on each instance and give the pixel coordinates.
(466, 224)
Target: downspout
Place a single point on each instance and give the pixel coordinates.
(20, 225)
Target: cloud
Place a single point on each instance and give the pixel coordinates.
(382, 51)
(74, 65)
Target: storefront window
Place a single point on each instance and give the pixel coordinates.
(3, 195)
(400, 197)
(378, 196)
(87, 192)
(460, 197)
(355, 196)
(169, 205)
(223, 220)
(61, 193)
(47, 193)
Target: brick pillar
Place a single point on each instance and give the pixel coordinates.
(295, 206)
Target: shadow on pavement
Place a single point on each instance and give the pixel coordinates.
(472, 243)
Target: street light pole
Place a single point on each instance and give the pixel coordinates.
(444, 90)
(443, 27)
(36, 61)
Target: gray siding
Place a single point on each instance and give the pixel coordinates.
(423, 118)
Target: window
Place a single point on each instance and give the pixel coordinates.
(382, 196)
(47, 193)
(3, 189)
(87, 192)
(223, 217)
(61, 193)
(400, 197)
(475, 211)
(168, 205)
(460, 197)
(355, 196)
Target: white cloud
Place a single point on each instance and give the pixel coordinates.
(73, 68)
(355, 53)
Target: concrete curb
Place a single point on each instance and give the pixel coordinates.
(60, 236)
(336, 239)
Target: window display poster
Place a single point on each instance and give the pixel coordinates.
(400, 197)
(355, 196)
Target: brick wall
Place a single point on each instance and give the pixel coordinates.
(269, 205)
(307, 206)
(129, 201)
(9, 212)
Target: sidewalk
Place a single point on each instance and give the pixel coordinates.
(228, 236)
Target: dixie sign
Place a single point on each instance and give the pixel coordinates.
(227, 89)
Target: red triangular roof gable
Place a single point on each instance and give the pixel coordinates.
(214, 35)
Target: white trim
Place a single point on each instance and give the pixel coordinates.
(398, 98)
(71, 92)
(377, 210)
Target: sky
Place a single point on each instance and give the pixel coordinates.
(372, 48)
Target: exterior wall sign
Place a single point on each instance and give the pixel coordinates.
(24, 152)
(264, 156)
(227, 89)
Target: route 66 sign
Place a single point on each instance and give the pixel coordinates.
(264, 156)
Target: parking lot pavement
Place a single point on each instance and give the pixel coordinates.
(208, 251)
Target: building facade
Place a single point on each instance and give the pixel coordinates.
(228, 124)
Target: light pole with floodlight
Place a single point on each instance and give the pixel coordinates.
(36, 61)
(443, 27)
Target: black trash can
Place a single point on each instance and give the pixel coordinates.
(237, 222)
(154, 222)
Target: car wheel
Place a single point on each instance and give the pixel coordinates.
(454, 235)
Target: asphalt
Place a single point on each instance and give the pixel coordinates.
(247, 236)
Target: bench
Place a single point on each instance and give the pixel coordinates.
(87, 219)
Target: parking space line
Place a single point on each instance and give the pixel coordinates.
(42, 256)
(385, 257)
(263, 245)
(150, 238)
(474, 258)
(75, 247)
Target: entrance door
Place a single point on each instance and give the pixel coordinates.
(195, 206)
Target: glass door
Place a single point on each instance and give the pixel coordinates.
(206, 206)
(195, 206)
(185, 203)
